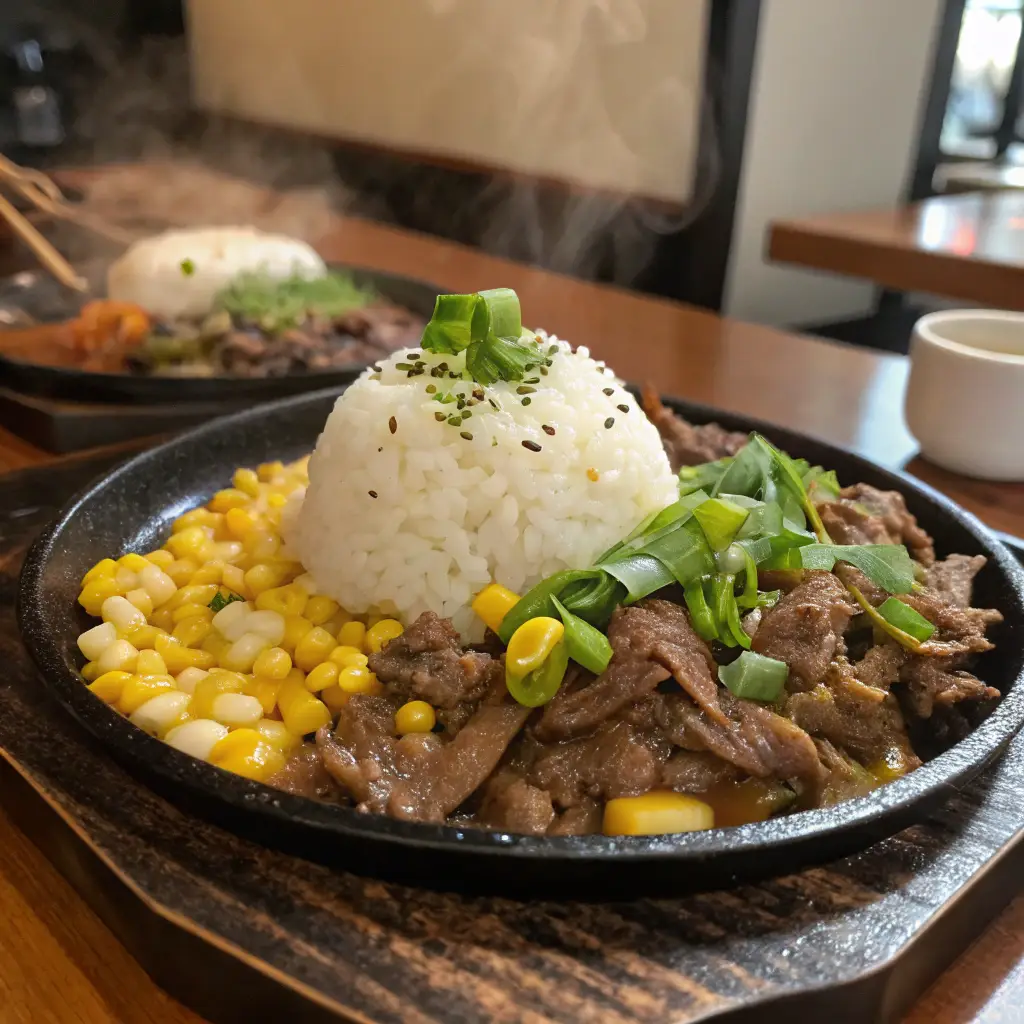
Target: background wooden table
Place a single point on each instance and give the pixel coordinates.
(968, 246)
(59, 963)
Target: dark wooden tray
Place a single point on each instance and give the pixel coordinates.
(241, 933)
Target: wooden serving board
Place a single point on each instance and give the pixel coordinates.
(241, 933)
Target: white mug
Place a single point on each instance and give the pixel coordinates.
(965, 395)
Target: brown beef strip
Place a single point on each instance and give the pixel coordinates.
(756, 739)
(953, 578)
(511, 804)
(805, 629)
(417, 777)
(937, 682)
(866, 515)
(652, 641)
(685, 444)
(696, 771)
(305, 775)
(880, 666)
(583, 820)
(427, 662)
(844, 777)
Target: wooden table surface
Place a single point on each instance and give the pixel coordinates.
(968, 246)
(59, 963)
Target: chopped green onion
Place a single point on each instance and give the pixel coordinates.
(540, 685)
(641, 574)
(700, 611)
(752, 676)
(888, 566)
(188, 268)
(594, 600)
(450, 329)
(586, 645)
(494, 358)
(907, 619)
(222, 599)
(720, 520)
(722, 596)
(276, 304)
(695, 478)
(497, 312)
(684, 552)
(732, 560)
(902, 638)
(748, 599)
(537, 601)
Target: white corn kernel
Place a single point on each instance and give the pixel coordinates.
(268, 624)
(157, 584)
(236, 709)
(227, 550)
(241, 655)
(230, 620)
(159, 713)
(120, 656)
(188, 677)
(122, 613)
(93, 642)
(126, 579)
(306, 582)
(197, 737)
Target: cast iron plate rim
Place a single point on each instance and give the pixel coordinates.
(59, 382)
(932, 781)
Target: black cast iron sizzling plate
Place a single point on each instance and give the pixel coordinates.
(132, 508)
(37, 294)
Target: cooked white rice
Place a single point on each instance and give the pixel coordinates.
(150, 272)
(422, 518)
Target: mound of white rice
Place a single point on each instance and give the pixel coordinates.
(405, 513)
(150, 272)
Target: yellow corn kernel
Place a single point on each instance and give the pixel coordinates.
(193, 630)
(163, 619)
(414, 716)
(200, 594)
(201, 517)
(234, 580)
(229, 498)
(656, 813)
(265, 690)
(261, 542)
(335, 698)
(319, 609)
(890, 766)
(104, 567)
(262, 577)
(138, 689)
(493, 603)
(287, 600)
(181, 570)
(352, 634)
(273, 663)
(141, 600)
(160, 558)
(179, 657)
(344, 656)
(313, 648)
(149, 663)
(239, 521)
(321, 676)
(277, 501)
(144, 637)
(133, 562)
(212, 686)
(109, 686)
(382, 633)
(192, 611)
(266, 471)
(301, 712)
(277, 734)
(96, 591)
(209, 572)
(90, 671)
(531, 644)
(358, 679)
(247, 481)
(295, 628)
(245, 752)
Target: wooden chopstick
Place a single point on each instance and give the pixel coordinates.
(50, 258)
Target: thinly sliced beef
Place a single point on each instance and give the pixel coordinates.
(511, 804)
(756, 739)
(844, 777)
(305, 775)
(805, 629)
(427, 662)
(583, 820)
(652, 641)
(866, 515)
(880, 666)
(417, 777)
(696, 771)
(685, 444)
(952, 579)
(937, 682)
(960, 630)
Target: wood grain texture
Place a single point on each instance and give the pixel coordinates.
(968, 246)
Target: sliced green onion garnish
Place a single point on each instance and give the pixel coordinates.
(586, 645)
(450, 329)
(902, 638)
(700, 611)
(732, 560)
(497, 312)
(720, 520)
(539, 686)
(684, 553)
(907, 619)
(641, 574)
(537, 601)
(755, 677)
(888, 566)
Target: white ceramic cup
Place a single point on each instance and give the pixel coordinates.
(965, 395)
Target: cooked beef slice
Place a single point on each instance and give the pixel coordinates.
(756, 739)
(511, 804)
(418, 777)
(880, 666)
(844, 777)
(305, 775)
(427, 662)
(937, 682)
(881, 518)
(952, 579)
(685, 444)
(583, 820)
(696, 771)
(652, 641)
(805, 629)
(960, 630)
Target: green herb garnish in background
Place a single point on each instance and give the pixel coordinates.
(488, 327)
(279, 304)
(188, 268)
(222, 599)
